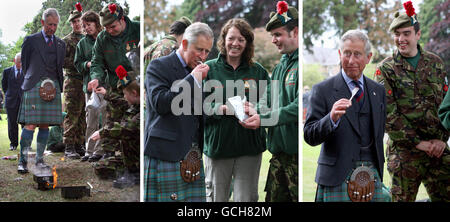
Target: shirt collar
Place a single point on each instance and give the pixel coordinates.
(348, 80)
(181, 59)
(45, 36)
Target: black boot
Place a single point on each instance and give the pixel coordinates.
(70, 152)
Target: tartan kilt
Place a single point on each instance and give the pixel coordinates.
(162, 180)
(339, 193)
(34, 111)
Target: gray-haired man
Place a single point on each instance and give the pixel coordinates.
(171, 138)
(42, 60)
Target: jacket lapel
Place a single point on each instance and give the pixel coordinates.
(342, 91)
(41, 44)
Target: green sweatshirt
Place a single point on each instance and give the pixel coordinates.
(83, 55)
(224, 137)
(283, 137)
(110, 51)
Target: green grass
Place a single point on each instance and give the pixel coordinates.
(15, 187)
(310, 156)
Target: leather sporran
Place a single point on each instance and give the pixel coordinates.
(47, 91)
(190, 165)
(361, 186)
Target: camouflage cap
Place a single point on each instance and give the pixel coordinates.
(75, 13)
(110, 13)
(185, 20)
(283, 15)
(404, 19)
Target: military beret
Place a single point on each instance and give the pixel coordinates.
(283, 15)
(404, 19)
(75, 13)
(125, 77)
(185, 20)
(110, 13)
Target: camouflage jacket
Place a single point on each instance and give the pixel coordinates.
(160, 48)
(413, 98)
(71, 41)
(127, 130)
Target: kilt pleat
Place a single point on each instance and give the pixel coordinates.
(163, 183)
(339, 193)
(33, 110)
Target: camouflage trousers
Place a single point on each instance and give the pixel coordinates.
(409, 168)
(127, 160)
(75, 120)
(282, 178)
(115, 110)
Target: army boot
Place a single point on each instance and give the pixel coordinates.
(70, 152)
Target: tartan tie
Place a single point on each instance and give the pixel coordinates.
(359, 95)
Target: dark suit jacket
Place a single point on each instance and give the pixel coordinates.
(340, 147)
(34, 60)
(168, 136)
(11, 88)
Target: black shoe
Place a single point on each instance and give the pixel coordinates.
(70, 152)
(94, 158)
(80, 149)
(12, 148)
(85, 158)
(22, 168)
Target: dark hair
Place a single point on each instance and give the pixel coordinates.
(177, 28)
(246, 30)
(133, 86)
(91, 16)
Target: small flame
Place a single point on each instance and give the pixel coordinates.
(62, 158)
(55, 177)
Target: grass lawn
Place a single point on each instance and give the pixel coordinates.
(310, 157)
(17, 187)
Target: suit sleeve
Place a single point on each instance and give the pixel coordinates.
(317, 126)
(5, 81)
(159, 87)
(25, 54)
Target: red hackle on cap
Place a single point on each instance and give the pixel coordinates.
(121, 72)
(112, 8)
(409, 8)
(78, 7)
(282, 7)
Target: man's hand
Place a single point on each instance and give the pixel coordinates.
(425, 146)
(200, 72)
(95, 136)
(437, 148)
(100, 90)
(92, 85)
(339, 108)
(249, 109)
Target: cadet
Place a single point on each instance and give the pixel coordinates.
(282, 179)
(127, 132)
(74, 121)
(120, 36)
(415, 82)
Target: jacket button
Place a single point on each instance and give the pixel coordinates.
(174, 196)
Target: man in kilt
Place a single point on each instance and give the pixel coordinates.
(172, 137)
(42, 61)
(350, 128)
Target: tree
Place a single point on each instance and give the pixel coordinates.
(373, 16)
(156, 26)
(436, 28)
(266, 53)
(64, 8)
